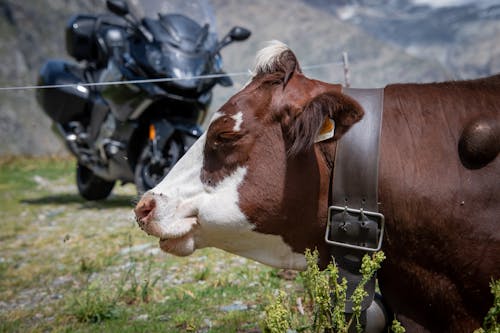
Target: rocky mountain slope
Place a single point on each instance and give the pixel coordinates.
(30, 33)
(461, 34)
(387, 41)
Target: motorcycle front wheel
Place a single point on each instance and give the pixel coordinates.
(151, 168)
(90, 186)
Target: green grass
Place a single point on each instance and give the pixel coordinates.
(67, 265)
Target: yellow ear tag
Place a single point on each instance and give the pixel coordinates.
(327, 131)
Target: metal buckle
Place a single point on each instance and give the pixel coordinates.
(332, 210)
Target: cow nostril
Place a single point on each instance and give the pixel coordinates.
(144, 209)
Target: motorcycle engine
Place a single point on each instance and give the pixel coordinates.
(104, 145)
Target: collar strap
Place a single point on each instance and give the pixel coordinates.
(354, 226)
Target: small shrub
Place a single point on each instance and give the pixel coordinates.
(325, 302)
(136, 286)
(9, 325)
(93, 306)
(202, 274)
(96, 304)
(491, 322)
(369, 267)
(4, 267)
(324, 299)
(148, 284)
(397, 327)
(278, 315)
(90, 266)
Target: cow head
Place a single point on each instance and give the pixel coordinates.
(255, 184)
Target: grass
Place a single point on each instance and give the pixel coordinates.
(67, 265)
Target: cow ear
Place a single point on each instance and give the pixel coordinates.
(302, 131)
(290, 65)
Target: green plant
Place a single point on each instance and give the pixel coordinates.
(324, 299)
(278, 315)
(92, 265)
(10, 325)
(131, 288)
(148, 284)
(4, 266)
(321, 289)
(369, 267)
(397, 327)
(491, 322)
(202, 274)
(93, 306)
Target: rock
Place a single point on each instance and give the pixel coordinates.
(142, 317)
(136, 248)
(236, 306)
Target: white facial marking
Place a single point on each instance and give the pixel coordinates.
(238, 120)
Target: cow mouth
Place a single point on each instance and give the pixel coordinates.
(181, 246)
(178, 238)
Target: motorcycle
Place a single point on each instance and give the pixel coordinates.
(115, 110)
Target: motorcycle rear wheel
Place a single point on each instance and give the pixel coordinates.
(90, 186)
(149, 171)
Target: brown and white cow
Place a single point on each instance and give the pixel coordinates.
(255, 184)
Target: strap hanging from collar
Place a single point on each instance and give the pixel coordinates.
(354, 225)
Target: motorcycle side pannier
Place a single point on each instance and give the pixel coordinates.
(62, 104)
(80, 37)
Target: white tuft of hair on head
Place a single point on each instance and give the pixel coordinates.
(267, 57)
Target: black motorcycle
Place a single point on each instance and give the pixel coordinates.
(119, 126)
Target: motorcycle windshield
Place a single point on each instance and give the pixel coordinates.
(185, 33)
(200, 11)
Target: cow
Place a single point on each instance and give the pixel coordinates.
(256, 184)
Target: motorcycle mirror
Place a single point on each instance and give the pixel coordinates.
(235, 34)
(118, 7)
(239, 33)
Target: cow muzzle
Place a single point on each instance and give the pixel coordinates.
(145, 214)
(176, 236)
(172, 222)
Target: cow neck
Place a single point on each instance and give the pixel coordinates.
(354, 226)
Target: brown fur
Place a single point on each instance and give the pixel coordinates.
(442, 238)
